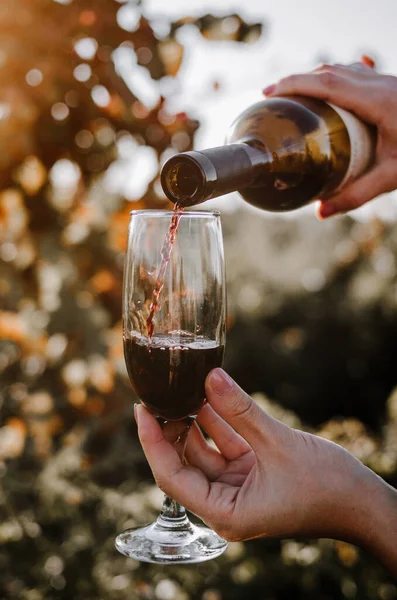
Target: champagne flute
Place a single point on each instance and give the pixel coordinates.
(168, 371)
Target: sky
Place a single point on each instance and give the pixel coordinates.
(297, 36)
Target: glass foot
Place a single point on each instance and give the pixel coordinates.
(169, 542)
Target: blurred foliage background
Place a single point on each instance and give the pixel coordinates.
(312, 318)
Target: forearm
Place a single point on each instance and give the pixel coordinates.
(376, 529)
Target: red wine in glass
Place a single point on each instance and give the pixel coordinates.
(168, 373)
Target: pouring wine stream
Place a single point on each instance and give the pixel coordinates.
(165, 258)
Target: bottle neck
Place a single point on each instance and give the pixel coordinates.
(193, 177)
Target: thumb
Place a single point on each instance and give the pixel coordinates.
(238, 409)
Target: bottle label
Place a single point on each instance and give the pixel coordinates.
(361, 145)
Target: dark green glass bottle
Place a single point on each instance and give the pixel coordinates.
(280, 154)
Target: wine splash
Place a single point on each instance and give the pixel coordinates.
(165, 258)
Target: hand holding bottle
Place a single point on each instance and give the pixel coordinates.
(269, 480)
(373, 98)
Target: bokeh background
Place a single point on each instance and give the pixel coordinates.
(94, 96)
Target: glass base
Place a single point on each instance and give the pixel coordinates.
(169, 541)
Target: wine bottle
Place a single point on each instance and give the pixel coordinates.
(280, 154)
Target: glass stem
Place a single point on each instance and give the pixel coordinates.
(172, 513)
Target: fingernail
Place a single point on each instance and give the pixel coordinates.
(220, 381)
(367, 60)
(136, 412)
(327, 210)
(181, 116)
(269, 90)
